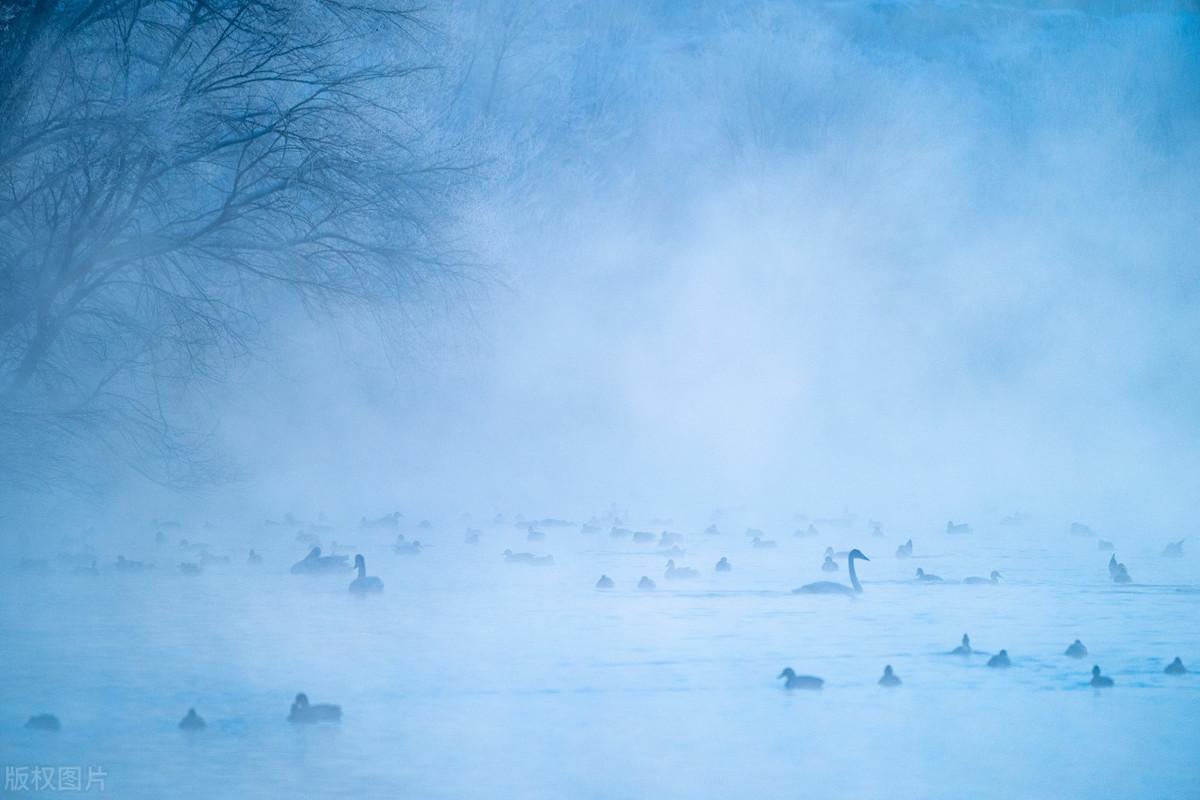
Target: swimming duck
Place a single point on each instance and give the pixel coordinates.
(208, 558)
(472, 536)
(647, 585)
(975, 579)
(364, 584)
(605, 582)
(829, 565)
(961, 527)
(1173, 550)
(253, 559)
(794, 681)
(321, 712)
(829, 587)
(403, 548)
(192, 721)
(762, 544)
(125, 565)
(1000, 660)
(1176, 667)
(669, 538)
(675, 573)
(1100, 681)
(723, 565)
(535, 535)
(43, 722)
(904, 550)
(190, 569)
(963, 649)
(889, 678)
(1077, 650)
(314, 563)
(927, 578)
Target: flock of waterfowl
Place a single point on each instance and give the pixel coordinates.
(315, 562)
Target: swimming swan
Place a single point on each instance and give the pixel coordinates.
(1077, 649)
(1176, 667)
(364, 584)
(321, 712)
(829, 587)
(976, 580)
(675, 573)
(192, 721)
(795, 681)
(1100, 681)
(889, 678)
(723, 565)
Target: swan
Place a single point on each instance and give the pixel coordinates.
(321, 712)
(794, 681)
(904, 550)
(192, 721)
(923, 576)
(647, 585)
(675, 573)
(829, 565)
(889, 678)
(43, 722)
(723, 565)
(605, 582)
(829, 587)
(1176, 667)
(1000, 660)
(1173, 550)
(364, 584)
(315, 563)
(975, 579)
(1100, 681)
(963, 649)
(1077, 649)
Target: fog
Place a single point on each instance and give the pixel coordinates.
(868, 268)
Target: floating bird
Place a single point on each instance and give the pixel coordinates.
(535, 535)
(1000, 660)
(43, 722)
(364, 584)
(253, 559)
(605, 582)
(1122, 575)
(962, 527)
(829, 587)
(1173, 550)
(963, 649)
(191, 721)
(1079, 529)
(762, 544)
(188, 568)
(404, 548)
(125, 565)
(723, 565)
(811, 530)
(1176, 667)
(1100, 681)
(643, 536)
(647, 585)
(472, 536)
(975, 579)
(889, 678)
(927, 578)
(674, 573)
(904, 550)
(314, 563)
(321, 712)
(1077, 650)
(829, 565)
(794, 681)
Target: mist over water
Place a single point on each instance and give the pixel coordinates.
(752, 266)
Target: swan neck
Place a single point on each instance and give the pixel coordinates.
(854, 576)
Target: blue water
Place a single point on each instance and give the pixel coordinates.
(472, 678)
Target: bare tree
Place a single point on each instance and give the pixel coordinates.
(173, 170)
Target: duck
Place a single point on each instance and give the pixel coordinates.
(927, 578)
(192, 721)
(1176, 667)
(905, 550)
(811, 530)
(1100, 681)
(963, 649)
(829, 587)
(976, 580)
(125, 565)
(472, 536)
(302, 711)
(669, 538)
(535, 535)
(1077, 650)
(1000, 660)
(1173, 550)
(314, 563)
(723, 565)
(43, 722)
(829, 565)
(254, 559)
(762, 544)
(647, 585)
(712, 530)
(190, 569)
(889, 678)
(364, 584)
(605, 582)
(674, 551)
(961, 527)
(675, 573)
(794, 681)
(404, 548)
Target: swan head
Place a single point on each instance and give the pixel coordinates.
(507, 553)
(887, 670)
(856, 553)
(966, 640)
(301, 700)
(314, 553)
(788, 672)
(671, 563)
(1096, 671)
(995, 575)
(360, 562)
(920, 572)
(829, 552)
